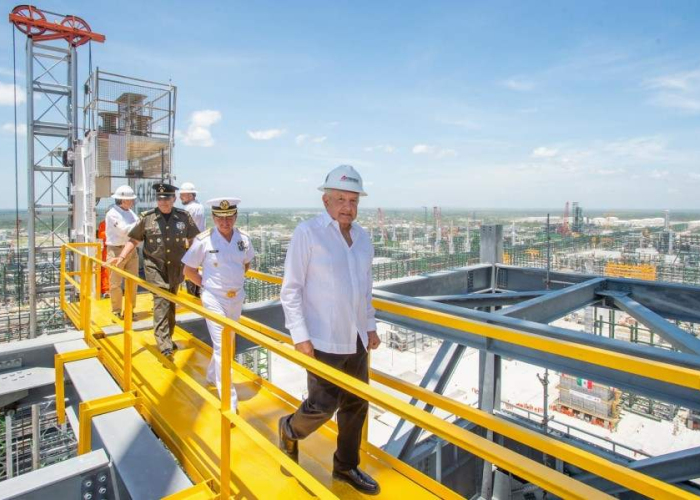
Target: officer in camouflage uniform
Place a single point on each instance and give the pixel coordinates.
(167, 233)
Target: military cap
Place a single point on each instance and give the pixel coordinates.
(164, 190)
(224, 207)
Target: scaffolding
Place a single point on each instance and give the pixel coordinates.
(30, 438)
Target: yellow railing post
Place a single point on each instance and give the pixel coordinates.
(62, 279)
(128, 325)
(59, 361)
(86, 300)
(90, 409)
(83, 264)
(225, 485)
(226, 355)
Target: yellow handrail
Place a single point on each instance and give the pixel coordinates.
(538, 474)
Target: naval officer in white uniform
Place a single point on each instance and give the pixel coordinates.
(224, 253)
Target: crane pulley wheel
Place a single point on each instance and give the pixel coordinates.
(79, 23)
(31, 13)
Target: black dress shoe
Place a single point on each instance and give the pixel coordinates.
(288, 445)
(359, 480)
(168, 353)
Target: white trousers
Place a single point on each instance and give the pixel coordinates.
(231, 308)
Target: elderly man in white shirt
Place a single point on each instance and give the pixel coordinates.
(118, 221)
(327, 301)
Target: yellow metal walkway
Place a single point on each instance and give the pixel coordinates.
(186, 414)
(184, 410)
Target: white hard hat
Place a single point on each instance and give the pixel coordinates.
(124, 193)
(344, 178)
(187, 187)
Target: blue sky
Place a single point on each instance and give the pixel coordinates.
(459, 104)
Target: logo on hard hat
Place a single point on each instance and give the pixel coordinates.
(224, 205)
(351, 179)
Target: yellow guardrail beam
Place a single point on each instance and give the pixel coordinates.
(677, 375)
(60, 360)
(90, 409)
(546, 478)
(586, 460)
(665, 372)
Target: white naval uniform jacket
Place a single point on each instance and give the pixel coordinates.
(327, 289)
(222, 262)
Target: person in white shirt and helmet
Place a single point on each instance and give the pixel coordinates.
(188, 197)
(119, 220)
(327, 300)
(224, 253)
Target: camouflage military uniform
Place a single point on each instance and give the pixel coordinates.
(164, 244)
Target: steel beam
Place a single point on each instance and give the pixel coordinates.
(436, 378)
(626, 381)
(670, 300)
(490, 299)
(677, 337)
(672, 468)
(558, 303)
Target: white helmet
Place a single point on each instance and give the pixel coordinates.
(344, 178)
(124, 193)
(187, 187)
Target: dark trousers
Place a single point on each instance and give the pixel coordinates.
(193, 289)
(164, 320)
(325, 398)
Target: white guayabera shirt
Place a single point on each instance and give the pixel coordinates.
(327, 288)
(118, 222)
(196, 210)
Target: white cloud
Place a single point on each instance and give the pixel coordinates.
(518, 84)
(658, 174)
(609, 171)
(302, 138)
(198, 131)
(684, 81)
(7, 94)
(266, 135)
(9, 128)
(639, 148)
(544, 152)
(680, 91)
(420, 149)
(446, 153)
(679, 102)
(384, 148)
(460, 122)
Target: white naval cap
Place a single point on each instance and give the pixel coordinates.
(224, 207)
